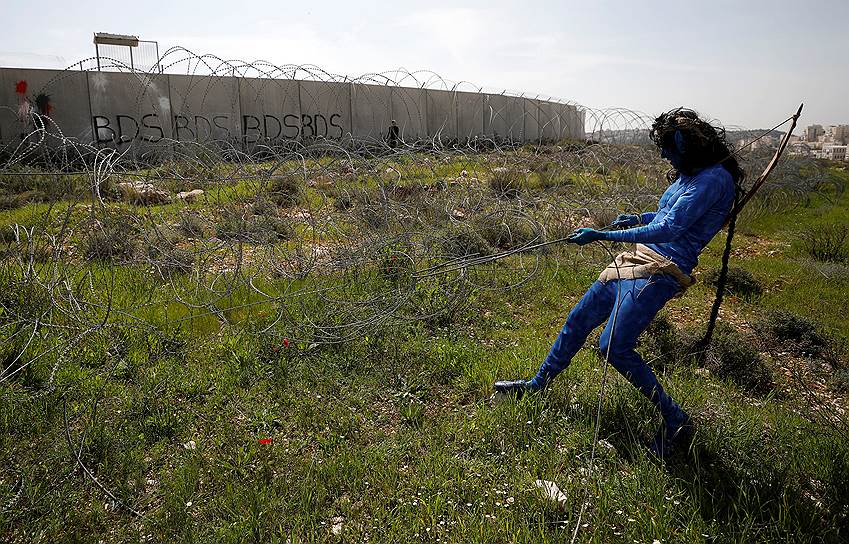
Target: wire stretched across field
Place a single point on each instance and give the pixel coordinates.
(316, 242)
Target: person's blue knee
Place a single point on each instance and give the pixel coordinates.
(604, 346)
(620, 357)
(624, 363)
(621, 343)
(607, 346)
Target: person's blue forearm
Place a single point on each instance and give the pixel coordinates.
(647, 217)
(690, 206)
(655, 233)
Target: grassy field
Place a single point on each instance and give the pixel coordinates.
(210, 429)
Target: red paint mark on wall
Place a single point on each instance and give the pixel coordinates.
(42, 101)
(23, 103)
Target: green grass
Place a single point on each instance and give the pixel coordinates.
(393, 432)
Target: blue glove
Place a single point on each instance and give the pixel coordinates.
(626, 220)
(585, 236)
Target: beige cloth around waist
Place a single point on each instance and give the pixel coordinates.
(643, 262)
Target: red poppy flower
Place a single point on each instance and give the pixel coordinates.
(265, 441)
(286, 342)
(21, 87)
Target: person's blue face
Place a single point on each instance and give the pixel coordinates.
(675, 158)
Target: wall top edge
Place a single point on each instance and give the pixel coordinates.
(70, 71)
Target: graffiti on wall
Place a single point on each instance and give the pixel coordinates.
(32, 112)
(112, 110)
(290, 126)
(122, 129)
(43, 105)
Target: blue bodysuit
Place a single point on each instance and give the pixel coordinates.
(690, 213)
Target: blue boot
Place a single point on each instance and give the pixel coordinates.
(673, 437)
(516, 387)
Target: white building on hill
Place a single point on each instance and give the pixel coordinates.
(833, 152)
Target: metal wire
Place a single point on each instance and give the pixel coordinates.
(315, 240)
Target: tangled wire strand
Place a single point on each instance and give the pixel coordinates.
(316, 241)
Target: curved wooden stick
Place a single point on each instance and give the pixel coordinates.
(731, 223)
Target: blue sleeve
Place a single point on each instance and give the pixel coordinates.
(690, 206)
(646, 217)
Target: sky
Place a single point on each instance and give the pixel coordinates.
(746, 64)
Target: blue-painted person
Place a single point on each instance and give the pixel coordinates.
(705, 178)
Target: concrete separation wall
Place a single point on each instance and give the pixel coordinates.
(549, 118)
(409, 110)
(371, 107)
(270, 111)
(574, 122)
(67, 106)
(504, 117)
(470, 123)
(206, 108)
(442, 114)
(532, 122)
(118, 109)
(129, 109)
(325, 110)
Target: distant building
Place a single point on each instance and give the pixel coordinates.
(801, 149)
(768, 142)
(840, 134)
(813, 132)
(827, 138)
(834, 152)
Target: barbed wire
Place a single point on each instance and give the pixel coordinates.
(312, 241)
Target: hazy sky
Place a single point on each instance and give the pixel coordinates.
(745, 63)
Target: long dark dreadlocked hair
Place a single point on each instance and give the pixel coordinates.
(699, 143)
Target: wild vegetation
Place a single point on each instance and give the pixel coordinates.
(300, 354)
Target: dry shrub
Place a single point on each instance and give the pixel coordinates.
(840, 380)
(551, 175)
(602, 217)
(795, 332)
(404, 193)
(191, 224)
(165, 254)
(374, 207)
(464, 241)
(734, 357)
(731, 355)
(506, 232)
(506, 182)
(112, 240)
(739, 282)
(7, 235)
(286, 190)
(257, 222)
(661, 343)
(21, 299)
(12, 201)
(828, 243)
(39, 247)
(558, 230)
